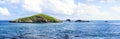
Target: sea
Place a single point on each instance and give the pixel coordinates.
(95, 29)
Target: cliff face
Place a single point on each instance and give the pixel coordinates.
(38, 18)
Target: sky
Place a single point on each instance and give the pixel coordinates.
(61, 9)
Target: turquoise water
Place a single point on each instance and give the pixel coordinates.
(64, 30)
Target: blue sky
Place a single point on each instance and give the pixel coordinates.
(61, 9)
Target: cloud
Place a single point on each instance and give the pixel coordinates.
(115, 9)
(102, 1)
(109, 1)
(115, 12)
(66, 8)
(59, 6)
(32, 5)
(9, 1)
(90, 0)
(4, 11)
(54, 6)
(85, 11)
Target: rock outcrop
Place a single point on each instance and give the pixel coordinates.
(68, 20)
(38, 18)
(81, 21)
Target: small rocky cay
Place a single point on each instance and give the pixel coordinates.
(82, 21)
(38, 18)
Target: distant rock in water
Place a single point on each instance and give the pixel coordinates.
(76, 36)
(38, 18)
(106, 21)
(68, 20)
(81, 21)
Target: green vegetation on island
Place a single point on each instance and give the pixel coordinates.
(38, 18)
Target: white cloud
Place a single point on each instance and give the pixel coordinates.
(9, 1)
(102, 1)
(84, 11)
(4, 11)
(14, 1)
(61, 6)
(90, 0)
(109, 1)
(66, 7)
(54, 6)
(32, 5)
(116, 12)
(115, 9)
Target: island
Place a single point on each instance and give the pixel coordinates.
(82, 21)
(68, 20)
(38, 18)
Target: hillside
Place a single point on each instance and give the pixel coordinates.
(38, 18)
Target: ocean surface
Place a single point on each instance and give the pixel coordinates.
(64, 30)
